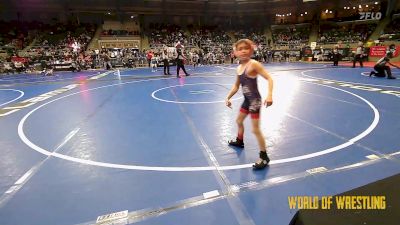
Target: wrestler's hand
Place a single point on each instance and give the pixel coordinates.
(268, 101)
(228, 103)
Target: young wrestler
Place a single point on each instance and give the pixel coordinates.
(247, 73)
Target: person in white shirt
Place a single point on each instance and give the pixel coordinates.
(153, 63)
(195, 59)
(358, 56)
(8, 68)
(19, 66)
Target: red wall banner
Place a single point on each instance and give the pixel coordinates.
(377, 51)
(19, 59)
(380, 51)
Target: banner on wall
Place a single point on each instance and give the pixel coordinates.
(377, 51)
(370, 15)
(380, 51)
(313, 45)
(19, 59)
(62, 66)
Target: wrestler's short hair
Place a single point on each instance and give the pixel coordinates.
(246, 41)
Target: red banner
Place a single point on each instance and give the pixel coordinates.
(377, 51)
(19, 59)
(396, 53)
(380, 51)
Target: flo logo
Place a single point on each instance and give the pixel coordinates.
(370, 16)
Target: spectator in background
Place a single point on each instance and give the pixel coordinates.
(107, 61)
(19, 66)
(8, 68)
(149, 56)
(154, 63)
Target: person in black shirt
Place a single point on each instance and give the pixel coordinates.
(381, 67)
(180, 63)
(165, 62)
(335, 56)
